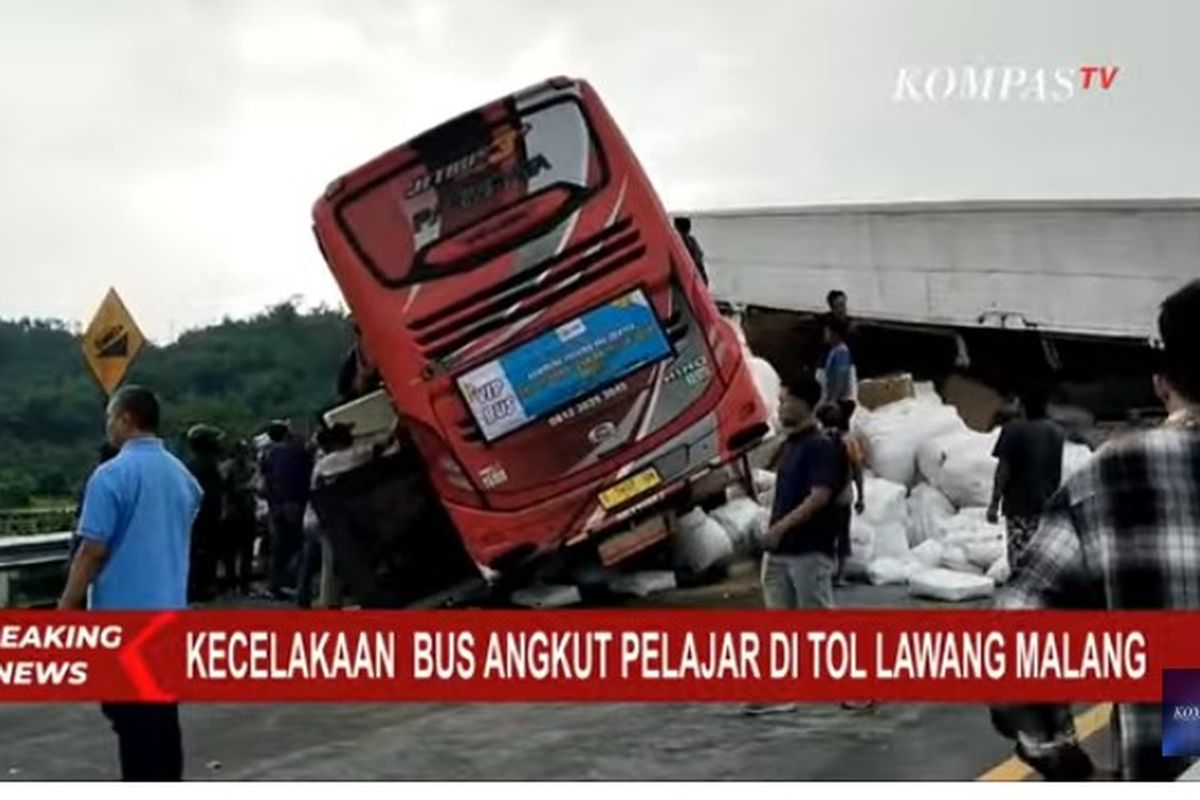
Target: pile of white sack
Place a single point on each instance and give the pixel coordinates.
(931, 479)
(925, 523)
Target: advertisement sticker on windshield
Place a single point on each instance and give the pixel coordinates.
(557, 368)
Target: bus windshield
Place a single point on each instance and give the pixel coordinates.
(473, 189)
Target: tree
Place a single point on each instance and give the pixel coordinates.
(16, 488)
(237, 375)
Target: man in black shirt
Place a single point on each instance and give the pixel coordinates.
(1030, 451)
(799, 563)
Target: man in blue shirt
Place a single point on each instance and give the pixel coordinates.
(135, 528)
(838, 368)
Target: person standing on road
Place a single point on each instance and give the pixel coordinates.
(135, 527)
(204, 442)
(1123, 533)
(336, 453)
(237, 522)
(837, 370)
(800, 542)
(286, 470)
(1028, 472)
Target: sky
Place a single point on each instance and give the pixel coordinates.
(173, 148)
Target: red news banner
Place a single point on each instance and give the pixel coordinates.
(948, 656)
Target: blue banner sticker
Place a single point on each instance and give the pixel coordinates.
(575, 359)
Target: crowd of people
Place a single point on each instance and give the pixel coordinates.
(277, 552)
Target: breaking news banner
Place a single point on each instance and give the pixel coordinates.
(490, 656)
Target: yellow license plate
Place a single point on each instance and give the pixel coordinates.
(630, 488)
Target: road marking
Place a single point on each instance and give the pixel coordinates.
(1087, 724)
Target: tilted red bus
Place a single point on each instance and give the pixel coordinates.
(539, 325)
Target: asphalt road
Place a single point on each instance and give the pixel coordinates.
(533, 742)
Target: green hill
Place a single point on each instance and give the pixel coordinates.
(236, 375)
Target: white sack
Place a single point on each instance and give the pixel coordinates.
(972, 544)
(953, 587)
(643, 584)
(895, 431)
(742, 520)
(970, 524)
(960, 465)
(954, 557)
(886, 571)
(929, 553)
(862, 548)
(886, 517)
(700, 541)
(928, 511)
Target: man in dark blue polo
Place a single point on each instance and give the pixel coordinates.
(135, 528)
(799, 563)
(799, 546)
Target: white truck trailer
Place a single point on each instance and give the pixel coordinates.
(1005, 293)
(1096, 268)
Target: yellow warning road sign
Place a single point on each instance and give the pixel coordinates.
(111, 342)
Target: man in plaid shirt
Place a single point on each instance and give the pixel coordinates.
(1123, 533)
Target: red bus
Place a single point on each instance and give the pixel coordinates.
(540, 327)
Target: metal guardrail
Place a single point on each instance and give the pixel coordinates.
(34, 549)
(21, 580)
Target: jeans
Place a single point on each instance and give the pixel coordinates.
(797, 582)
(148, 740)
(287, 539)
